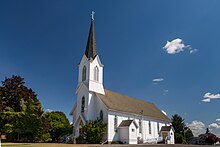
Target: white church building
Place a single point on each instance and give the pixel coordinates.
(129, 120)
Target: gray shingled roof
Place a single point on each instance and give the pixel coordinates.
(91, 50)
(123, 103)
(125, 123)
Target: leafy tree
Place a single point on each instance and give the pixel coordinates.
(94, 131)
(29, 124)
(211, 138)
(59, 124)
(208, 138)
(178, 123)
(20, 110)
(182, 133)
(178, 138)
(45, 124)
(45, 135)
(188, 134)
(11, 93)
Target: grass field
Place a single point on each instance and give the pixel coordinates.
(43, 145)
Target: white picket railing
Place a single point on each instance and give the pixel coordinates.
(154, 140)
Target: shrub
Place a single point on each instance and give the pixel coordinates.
(94, 131)
(80, 140)
(178, 138)
(46, 137)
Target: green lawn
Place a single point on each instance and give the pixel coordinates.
(15, 145)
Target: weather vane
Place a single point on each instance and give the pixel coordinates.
(92, 15)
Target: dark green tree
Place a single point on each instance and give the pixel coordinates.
(179, 127)
(182, 133)
(20, 110)
(94, 131)
(179, 138)
(178, 123)
(28, 125)
(13, 90)
(188, 134)
(45, 135)
(59, 124)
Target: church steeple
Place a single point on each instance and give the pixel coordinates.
(91, 50)
(90, 67)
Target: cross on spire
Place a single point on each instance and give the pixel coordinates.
(91, 50)
(92, 15)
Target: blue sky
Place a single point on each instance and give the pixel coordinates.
(43, 41)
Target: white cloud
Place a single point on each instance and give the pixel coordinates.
(48, 110)
(176, 46)
(197, 127)
(206, 100)
(211, 96)
(165, 90)
(193, 51)
(158, 80)
(215, 127)
(208, 96)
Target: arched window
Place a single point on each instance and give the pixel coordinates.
(101, 115)
(83, 105)
(96, 73)
(84, 73)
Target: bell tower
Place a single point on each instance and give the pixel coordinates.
(90, 67)
(90, 82)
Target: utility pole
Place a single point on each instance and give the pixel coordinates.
(142, 112)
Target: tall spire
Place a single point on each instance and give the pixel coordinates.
(91, 51)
